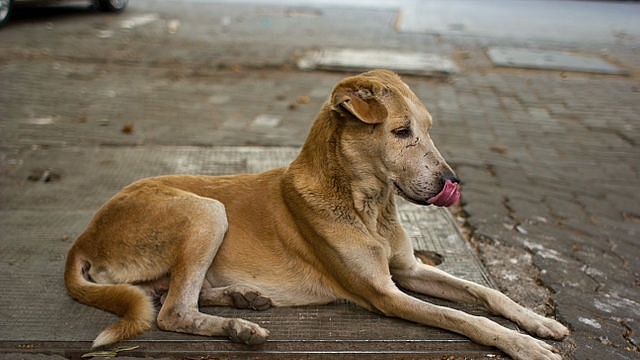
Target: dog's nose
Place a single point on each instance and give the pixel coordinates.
(452, 178)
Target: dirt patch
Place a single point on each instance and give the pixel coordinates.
(512, 270)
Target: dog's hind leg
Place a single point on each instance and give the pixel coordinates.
(237, 296)
(199, 243)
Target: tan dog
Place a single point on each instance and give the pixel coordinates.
(323, 228)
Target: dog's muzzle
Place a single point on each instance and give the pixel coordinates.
(448, 195)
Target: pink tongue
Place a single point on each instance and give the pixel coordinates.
(448, 196)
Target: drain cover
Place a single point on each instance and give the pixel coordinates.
(410, 63)
(550, 60)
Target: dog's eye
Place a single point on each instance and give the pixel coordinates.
(403, 132)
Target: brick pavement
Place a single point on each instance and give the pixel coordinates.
(549, 160)
(550, 166)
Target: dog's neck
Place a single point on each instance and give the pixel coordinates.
(322, 174)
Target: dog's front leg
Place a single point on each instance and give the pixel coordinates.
(431, 281)
(479, 329)
(370, 284)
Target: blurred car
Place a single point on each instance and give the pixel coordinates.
(6, 6)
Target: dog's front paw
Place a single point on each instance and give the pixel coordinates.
(524, 347)
(242, 331)
(552, 329)
(545, 327)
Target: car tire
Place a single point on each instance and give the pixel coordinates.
(5, 11)
(110, 5)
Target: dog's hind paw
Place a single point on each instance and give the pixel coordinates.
(237, 296)
(250, 300)
(242, 331)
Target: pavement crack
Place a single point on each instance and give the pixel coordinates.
(628, 332)
(510, 268)
(612, 249)
(510, 211)
(624, 137)
(515, 224)
(585, 269)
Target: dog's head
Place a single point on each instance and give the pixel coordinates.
(387, 134)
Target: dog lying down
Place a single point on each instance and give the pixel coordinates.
(321, 229)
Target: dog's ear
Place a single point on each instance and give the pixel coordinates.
(360, 99)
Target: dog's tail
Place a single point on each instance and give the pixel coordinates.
(125, 300)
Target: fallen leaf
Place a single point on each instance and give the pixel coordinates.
(100, 353)
(127, 129)
(109, 353)
(498, 149)
(428, 257)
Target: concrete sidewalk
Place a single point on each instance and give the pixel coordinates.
(549, 159)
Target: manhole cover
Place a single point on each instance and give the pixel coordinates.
(550, 60)
(410, 63)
